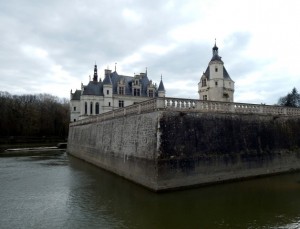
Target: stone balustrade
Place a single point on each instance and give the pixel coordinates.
(190, 105)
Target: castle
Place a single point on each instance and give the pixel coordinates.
(168, 143)
(116, 91)
(215, 83)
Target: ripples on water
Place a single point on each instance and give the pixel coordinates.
(64, 192)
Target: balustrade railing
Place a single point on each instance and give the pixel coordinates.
(190, 105)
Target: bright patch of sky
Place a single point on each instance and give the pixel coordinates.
(48, 49)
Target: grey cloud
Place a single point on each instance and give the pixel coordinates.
(75, 34)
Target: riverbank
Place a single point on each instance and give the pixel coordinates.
(29, 150)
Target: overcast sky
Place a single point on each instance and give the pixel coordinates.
(51, 46)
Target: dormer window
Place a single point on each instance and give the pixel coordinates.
(150, 93)
(204, 83)
(121, 90)
(136, 92)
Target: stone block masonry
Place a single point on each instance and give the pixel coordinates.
(126, 146)
(171, 149)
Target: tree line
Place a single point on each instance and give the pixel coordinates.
(33, 115)
(47, 115)
(292, 99)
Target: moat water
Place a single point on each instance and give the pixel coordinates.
(64, 192)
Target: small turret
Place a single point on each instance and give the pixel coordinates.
(161, 89)
(107, 84)
(107, 79)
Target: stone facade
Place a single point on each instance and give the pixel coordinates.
(114, 92)
(215, 83)
(167, 143)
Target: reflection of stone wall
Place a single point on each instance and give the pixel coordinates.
(172, 149)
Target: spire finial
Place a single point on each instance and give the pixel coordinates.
(115, 66)
(95, 78)
(160, 76)
(146, 70)
(215, 48)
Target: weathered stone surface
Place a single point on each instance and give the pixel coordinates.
(169, 149)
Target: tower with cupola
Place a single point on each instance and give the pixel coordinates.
(215, 83)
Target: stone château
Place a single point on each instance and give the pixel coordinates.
(114, 92)
(168, 143)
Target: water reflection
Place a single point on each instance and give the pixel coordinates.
(66, 192)
(265, 202)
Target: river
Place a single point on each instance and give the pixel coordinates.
(65, 192)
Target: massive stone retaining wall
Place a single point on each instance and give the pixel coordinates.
(170, 149)
(126, 146)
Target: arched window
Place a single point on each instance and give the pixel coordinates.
(97, 108)
(85, 108)
(91, 108)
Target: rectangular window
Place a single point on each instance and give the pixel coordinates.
(204, 83)
(216, 83)
(121, 103)
(74, 108)
(150, 93)
(136, 92)
(107, 92)
(109, 104)
(204, 97)
(121, 90)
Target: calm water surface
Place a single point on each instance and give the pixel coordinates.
(64, 192)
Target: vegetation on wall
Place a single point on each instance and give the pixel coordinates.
(33, 115)
(292, 99)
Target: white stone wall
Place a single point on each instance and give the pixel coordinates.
(217, 88)
(75, 113)
(106, 103)
(213, 73)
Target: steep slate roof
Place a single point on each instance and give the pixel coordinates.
(115, 78)
(216, 57)
(76, 95)
(93, 88)
(96, 88)
(107, 80)
(161, 86)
